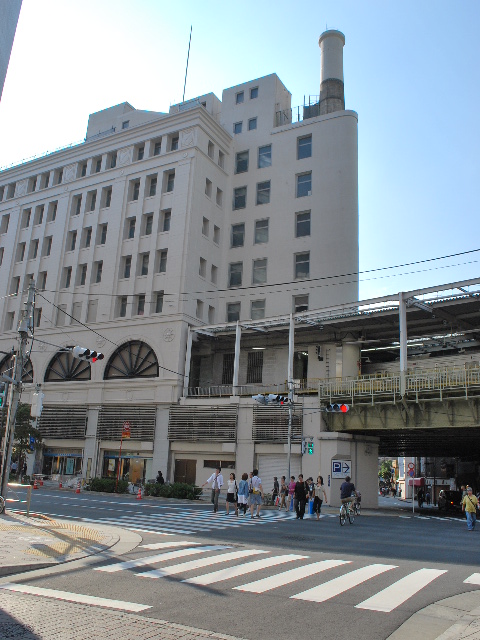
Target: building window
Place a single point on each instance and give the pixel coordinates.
(140, 152)
(131, 228)
(240, 198)
(304, 184)
(166, 220)
(15, 286)
(76, 205)
(37, 316)
(205, 227)
(83, 169)
(76, 313)
(158, 302)
(265, 156)
(261, 231)
(174, 143)
(219, 197)
(103, 234)
(42, 278)
(259, 275)
(302, 224)
(145, 259)
(170, 181)
(140, 305)
(26, 215)
(304, 147)
(302, 265)
(67, 277)
(239, 97)
(20, 252)
(202, 269)
(148, 224)
(211, 149)
(107, 197)
(238, 235)
(162, 262)
(235, 270)
(252, 124)
(98, 272)
(199, 310)
(33, 250)
(45, 180)
(2, 251)
(254, 367)
(122, 312)
(241, 162)
(300, 303)
(47, 246)
(214, 274)
(237, 127)
(112, 160)
(153, 186)
(253, 93)
(157, 148)
(233, 311)
(92, 311)
(5, 223)
(221, 159)
(263, 192)
(9, 320)
(83, 275)
(208, 188)
(216, 234)
(135, 189)
(211, 314)
(257, 309)
(52, 212)
(88, 237)
(39, 214)
(127, 266)
(125, 124)
(98, 165)
(72, 241)
(58, 176)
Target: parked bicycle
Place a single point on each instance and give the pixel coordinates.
(347, 511)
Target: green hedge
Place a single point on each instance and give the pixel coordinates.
(179, 490)
(107, 485)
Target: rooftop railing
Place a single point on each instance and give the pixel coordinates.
(309, 109)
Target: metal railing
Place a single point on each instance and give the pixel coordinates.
(226, 390)
(297, 114)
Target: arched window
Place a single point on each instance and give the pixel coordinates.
(6, 367)
(133, 359)
(64, 367)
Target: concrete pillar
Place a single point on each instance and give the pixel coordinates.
(332, 95)
(188, 357)
(236, 361)
(89, 466)
(161, 445)
(402, 312)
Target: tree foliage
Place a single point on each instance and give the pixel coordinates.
(385, 471)
(24, 430)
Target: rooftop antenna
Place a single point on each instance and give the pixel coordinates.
(188, 57)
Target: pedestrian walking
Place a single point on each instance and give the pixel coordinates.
(232, 494)
(216, 481)
(320, 496)
(291, 491)
(160, 479)
(255, 494)
(243, 493)
(427, 498)
(283, 494)
(276, 489)
(300, 496)
(470, 506)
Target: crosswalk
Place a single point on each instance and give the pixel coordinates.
(184, 521)
(191, 562)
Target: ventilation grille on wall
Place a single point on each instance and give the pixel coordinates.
(216, 424)
(63, 422)
(142, 422)
(270, 424)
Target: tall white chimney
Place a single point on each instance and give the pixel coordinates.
(332, 95)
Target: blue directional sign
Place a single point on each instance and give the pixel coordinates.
(341, 468)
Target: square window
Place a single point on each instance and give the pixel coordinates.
(233, 311)
(170, 181)
(252, 124)
(214, 274)
(162, 261)
(20, 252)
(47, 246)
(263, 192)
(148, 224)
(166, 220)
(211, 149)
(199, 310)
(304, 184)
(240, 198)
(216, 234)
(304, 147)
(253, 93)
(39, 211)
(265, 156)
(88, 237)
(98, 165)
(221, 159)
(254, 367)
(174, 143)
(205, 227)
(237, 127)
(127, 266)
(261, 231)
(239, 97)
(238, 235)
(302, 265)
(52, 211)
(72, 241)
(300, 303)
(135, 189)
(125, 124)
(241, 162)
(106, 197)
(159, 302)
(45, 180)
(98, 272)
(83, 275)
(67, 277)
(140, 152)
(219, 197)
(5, 222)
(140, 305)
(131, 222)
(112, 160)
(259, 275)
(145, 259)
(153, 186)
(302, 224)
(92, 200)
(77, 205)
(157, 147)
(235, 270)
(257, 309)
(123, 307)
(211, 314)
(208, 188)
(33, 250)
(202, 269)
(103, 234)
(26, 215)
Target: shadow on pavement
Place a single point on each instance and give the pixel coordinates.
(12, 629)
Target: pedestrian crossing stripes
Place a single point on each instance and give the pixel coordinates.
(242, 562)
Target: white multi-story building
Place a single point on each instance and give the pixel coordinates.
(232, 210)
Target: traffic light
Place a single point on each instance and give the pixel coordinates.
(310, 448)
(86, 354)
(37, 404)
(304, 447)
(271, 398)
(31, 446)
(260, 398)
(337, 408)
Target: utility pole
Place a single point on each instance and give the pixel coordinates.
(24, 328)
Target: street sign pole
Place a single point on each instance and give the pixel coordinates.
(125, 434)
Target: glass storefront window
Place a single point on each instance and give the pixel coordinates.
(133, 466)
(61, 462)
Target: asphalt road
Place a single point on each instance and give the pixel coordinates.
(271, 578)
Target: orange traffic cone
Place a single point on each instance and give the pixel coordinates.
(139, 494)
(40, 482)
(77, 490)
(35, 486)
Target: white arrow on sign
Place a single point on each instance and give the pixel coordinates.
(345, 467)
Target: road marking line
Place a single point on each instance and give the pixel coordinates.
(240, 570)
(198, 564)
(396, 594)
(75, 597)
(161, 557)
(337, 586)
(473, 579)
(166, 545)
(158, 533)
(281, 579)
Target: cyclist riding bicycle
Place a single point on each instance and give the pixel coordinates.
(347, 492)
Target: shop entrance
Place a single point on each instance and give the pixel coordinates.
(133, 467)
(62, 462)
(185, 471)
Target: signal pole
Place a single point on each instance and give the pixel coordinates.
(24, 327)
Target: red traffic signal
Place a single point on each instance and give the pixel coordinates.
(337, 408)
(86, 354)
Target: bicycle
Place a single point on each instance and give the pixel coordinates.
(2, 504)
(346, 512)
(357, 506)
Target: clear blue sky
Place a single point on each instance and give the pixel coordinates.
(411, 73)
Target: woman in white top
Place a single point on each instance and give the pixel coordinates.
(319, 496)
(232, 491)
